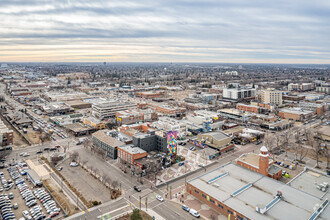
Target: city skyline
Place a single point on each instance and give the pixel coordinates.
(166, 31)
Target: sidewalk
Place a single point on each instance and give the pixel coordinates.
(153, 214)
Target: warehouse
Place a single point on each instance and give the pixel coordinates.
(240, 193)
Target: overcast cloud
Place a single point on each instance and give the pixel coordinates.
(295, 31)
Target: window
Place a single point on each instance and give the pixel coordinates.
(212, 200)
(239, 217)
(230, 212)
(203, 196)
(220, 206)
(196, 191)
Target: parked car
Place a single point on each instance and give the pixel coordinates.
(194, 213)
(186, 208)
(60, 168)
(181, 163)
(73, 164)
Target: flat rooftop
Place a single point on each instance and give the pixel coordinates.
(295, 204)
(133, 150)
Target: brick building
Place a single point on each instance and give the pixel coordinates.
(150, 95)
(248, 108)
(131, 116)
(129, 153)
(6, 135)
(241, 194)
(260, 163)
(296, 114)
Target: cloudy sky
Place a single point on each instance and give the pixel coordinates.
(239, 31)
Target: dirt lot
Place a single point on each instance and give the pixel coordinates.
(88, 186)
(144, 215)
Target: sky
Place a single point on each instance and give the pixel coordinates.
(221, 31)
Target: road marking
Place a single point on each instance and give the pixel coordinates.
(108, 213)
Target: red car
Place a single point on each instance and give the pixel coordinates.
(57, 146)
(53, 214)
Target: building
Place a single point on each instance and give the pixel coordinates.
(260, 163)
(168, 110)
(234, 114)
(324, 88)
(251, 108)
(151, 141)
(300, 87)
(295, 114)
(150, 94)
(133, 116)
(55, 108)
(102, 139)
(6, 135)
(108, 109)
(130, 130)
(170, 124)
(130, 154)
(94, 122)
(79, 129)
(238, 94)
(64, 120)
(293, 98)
(240, 193)
(324, 133)
(78, 104)
(271, 96)
(317, 108)
(217, 140)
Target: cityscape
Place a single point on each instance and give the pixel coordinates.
(168, 110)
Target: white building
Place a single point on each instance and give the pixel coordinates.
(238, 93)
(108, 109)
(171, 124)
(271, 96)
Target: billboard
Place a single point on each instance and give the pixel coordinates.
(172, 143)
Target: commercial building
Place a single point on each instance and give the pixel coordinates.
(234, 114)
(317, 108)
(78, 104)
(324, 88)
(170, 124)
(271, 96)
(64, 120)
(238, 94)
(6, 135)
(129, 153)
(217, 140)
(168, 110)
(260, 163)
(151, 141)
(108, 109)
(79, 129)
(102, 139)
(55, 108)
(94, 122)
(133, 116)
(296, 114)
(240, 193)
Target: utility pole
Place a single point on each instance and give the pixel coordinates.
(140, 202)
(170, 192)
(146, 203)
(77, 202)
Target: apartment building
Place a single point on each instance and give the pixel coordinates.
(109, 108)
(271, 96)
(132, 116)
(238, 93)
(129, 153)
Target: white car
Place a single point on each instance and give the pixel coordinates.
(26, 154)
(193, 212)
(159, 198)
(73, 164)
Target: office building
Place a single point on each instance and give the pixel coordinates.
(151, 141)
(108, 109)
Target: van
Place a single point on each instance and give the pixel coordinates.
(194, 213)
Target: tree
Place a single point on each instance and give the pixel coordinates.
(74, 156)
(286, 141)
(326, 153)
(136, 215)
(317, 150)
(269, 142)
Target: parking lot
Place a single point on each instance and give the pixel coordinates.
(15, 191)
(87, 185)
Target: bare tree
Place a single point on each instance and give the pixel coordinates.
(115, 184)
(268, 142)
(317, 150)
(286, 141)
(326, 153)
(301, 153)
(74, 156)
